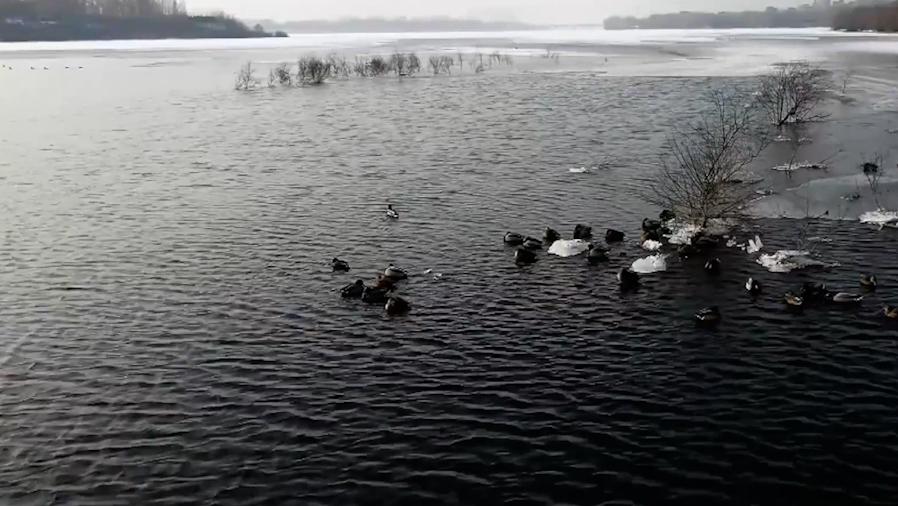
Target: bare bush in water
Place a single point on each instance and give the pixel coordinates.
(441, 64)
(246, 77)
(793, 93)
(405, 64)
(700, 177)
(280, 75)
(873, 167)
(339, 66)
(378, 66)
(313, 70)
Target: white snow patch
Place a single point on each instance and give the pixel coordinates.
(565, 248)
(651, 245)
(791, 167)
(880, 217)
(650, 264)
(790, 260)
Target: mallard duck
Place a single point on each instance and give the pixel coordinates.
(596, 255)
(531, 243)
(650, 225)
(397, 306)
(752, 286)
(793, 301)
(712, 267)
(353, 291)
(524, 256)
(890, 312)
(551, 236)
(650, 235)
(868, 282)
(627, 278)
(708, 316)
(391, 213)
(340, 265)
(373, 295)
(395, 273)
(582, 232)
(385, 282)
(814, 292)
(513, 239)
(844, 298)
(612, 235)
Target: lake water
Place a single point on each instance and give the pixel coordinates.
(171, 333)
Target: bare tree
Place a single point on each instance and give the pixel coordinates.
(280, 75)
(339, 67)
(246, 77)
(872, 168)
(793, 92)
(313, 70)
(701, 175)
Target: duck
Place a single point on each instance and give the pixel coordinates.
(708, 316)
(650, 225)
(752, 286)
(513, 239)
(531, 243)
(814, 292)
(627, 278)
(612, 235)
(340, 265)
(582, 232)
(354, 290)
(524, 256)
(868, 282)
(686, 250)
(384, 282)
(396, 306)
(793, 301)
(667, 215)
(844, 298)
(651, 235)
(371, 295)
(890, 312)
(391, 213)
(596, 255)
(712, 266)
(551, 236)
(395, 273)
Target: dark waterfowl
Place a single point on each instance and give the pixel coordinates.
(708, 316)
(391, 213)
(582, 232)
(531, 243)
(340, 265)
(793, 301)
(651, 235)
(752, 286)
(395, 273)
(353, 291)
(513, 239)
(712, 267)
(890, 312)
(814, 292)
(868, 282)
(385, 282)
(551, 236)
(687, 251)
(612, 235)
(596, 255)
(666, 215)
(627, 278)
(373, 295)
(396, 306)
(524, 256)
(650, 225)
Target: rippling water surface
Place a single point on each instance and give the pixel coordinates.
(170, 331)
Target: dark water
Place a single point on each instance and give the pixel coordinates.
(172, 333)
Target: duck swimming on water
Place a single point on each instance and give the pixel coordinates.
(868, 282)
(582, 232)
(627, 278)
(531, 243)
(395, 273)
(396, 306)
(752, 286)
(844, 298)
(551, 236)
(340, 265)
(612, 235)
(391, 213)
(513, 239)
(708, 316)
(353, 291)
(374, 295)
(890, 312)
(524, 256)
(596, 255)
(793, 301)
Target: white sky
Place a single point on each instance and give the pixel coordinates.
(536, 11)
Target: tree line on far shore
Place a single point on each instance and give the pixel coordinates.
(55, 9)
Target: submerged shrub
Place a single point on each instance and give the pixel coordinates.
(313, 70)
(280, 75)
(246, 77)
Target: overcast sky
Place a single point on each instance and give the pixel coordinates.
(537, 11)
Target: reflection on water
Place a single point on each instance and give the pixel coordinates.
(172, 331)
